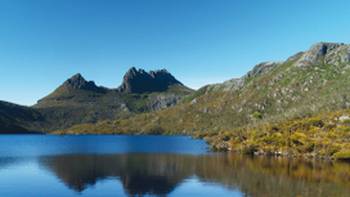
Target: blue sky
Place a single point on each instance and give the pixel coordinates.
(44, 42)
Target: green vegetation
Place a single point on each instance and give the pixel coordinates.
(257, 115)
(342, 155)
(323, 136)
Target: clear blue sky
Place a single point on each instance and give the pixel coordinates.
(43, 42)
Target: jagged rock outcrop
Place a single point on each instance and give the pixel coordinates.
(237, 83)
(140, 81)
(325, 53)
(261, 69)
(164, 101)
(78, 82)
(226, 86)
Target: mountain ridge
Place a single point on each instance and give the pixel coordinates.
(77, 100)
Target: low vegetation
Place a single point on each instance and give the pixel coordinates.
(324, 136)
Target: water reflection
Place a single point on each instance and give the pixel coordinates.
(140, 174)
(161, 174)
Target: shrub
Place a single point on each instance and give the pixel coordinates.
(257, 115)
(298, 138)
(342, 155)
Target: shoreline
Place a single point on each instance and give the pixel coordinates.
(214, 146)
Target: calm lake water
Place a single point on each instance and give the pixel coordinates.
(39, 165)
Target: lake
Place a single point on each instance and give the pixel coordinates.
(110, 165)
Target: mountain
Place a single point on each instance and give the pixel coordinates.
(79, 101)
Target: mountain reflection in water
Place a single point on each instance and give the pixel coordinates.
(161, 174)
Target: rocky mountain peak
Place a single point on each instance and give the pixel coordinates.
(77, 81)
(140, 81)
(261, 68)
(325, 53)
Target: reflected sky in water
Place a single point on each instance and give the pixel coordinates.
(39, 145)
(154, 166)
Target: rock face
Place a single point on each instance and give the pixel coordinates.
(237, 83)
(164, 101)
(261, 69)
(78, 82)
(140, 81)
(325, 53)
(227, 86)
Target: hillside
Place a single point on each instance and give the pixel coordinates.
(18, 119)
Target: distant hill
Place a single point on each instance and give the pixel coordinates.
(79, 101)
(18, 119)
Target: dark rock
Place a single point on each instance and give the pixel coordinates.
(261, 69)
(140, 81)
(78, 82)
(325, 52)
